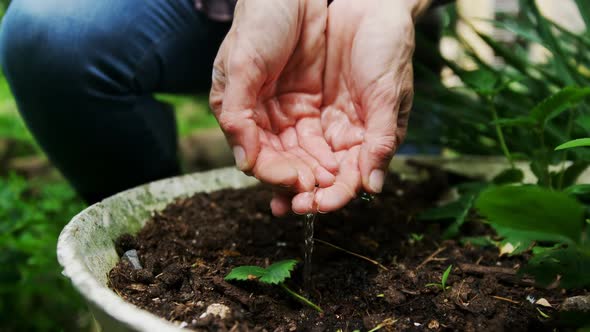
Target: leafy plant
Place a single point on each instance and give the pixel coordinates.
(275, 274)
(443, 280)
(522, 110)
(34, 296)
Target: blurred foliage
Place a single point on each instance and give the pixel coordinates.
(34, 296)
(523, 110)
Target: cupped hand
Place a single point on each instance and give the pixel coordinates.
(266, 95)
(368, 91)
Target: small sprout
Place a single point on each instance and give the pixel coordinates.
(443, 281)
(417, 237)
(275, 274)
(544, 315)
(380, 295)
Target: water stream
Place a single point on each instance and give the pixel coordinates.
(308, 236)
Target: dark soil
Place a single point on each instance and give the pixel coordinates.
(187, 249)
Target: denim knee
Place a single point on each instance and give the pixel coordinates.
(63, 48)
(37, 48)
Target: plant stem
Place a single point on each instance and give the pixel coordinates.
(300, 298)
(563, 157)
(545, 158)
(499, 132)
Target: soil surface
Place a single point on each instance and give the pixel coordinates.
(187, 250)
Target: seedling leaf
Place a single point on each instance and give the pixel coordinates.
(278, 272)
(445, 276)
(246, 273)
(574, 144)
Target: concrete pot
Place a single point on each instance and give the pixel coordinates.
(86, 245)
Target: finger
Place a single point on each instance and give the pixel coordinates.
(273, 168)
(305, 178)
(345, 187)
(303, 203)
(311, 139)
(242, 134)
(290, 142)
(244, 75)
(280, 204)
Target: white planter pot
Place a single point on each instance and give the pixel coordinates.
(86, 245)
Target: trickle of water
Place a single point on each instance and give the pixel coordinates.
(308, 242)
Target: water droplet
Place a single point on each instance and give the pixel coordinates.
(367, 197)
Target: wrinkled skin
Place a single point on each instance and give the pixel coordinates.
(313, 100)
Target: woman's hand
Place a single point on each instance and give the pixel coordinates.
(267, 92)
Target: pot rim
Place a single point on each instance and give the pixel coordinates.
(101, 296)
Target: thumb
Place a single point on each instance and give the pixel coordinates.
(234, 93)
(385, 129)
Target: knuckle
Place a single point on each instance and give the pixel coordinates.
(228, 123)
(382, 148)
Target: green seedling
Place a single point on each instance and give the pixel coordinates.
(443, 281)
(417, 237)
(275, 274)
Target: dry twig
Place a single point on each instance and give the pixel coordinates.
(372, 261)
(431, 257)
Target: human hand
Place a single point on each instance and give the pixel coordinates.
(368, 91)
(267, 92)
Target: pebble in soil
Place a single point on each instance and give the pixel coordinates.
(187, 249)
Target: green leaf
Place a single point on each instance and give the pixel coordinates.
(520, 121)
(574, 144)
(584, 10)
(247, 272)
(278, 272)
(510, 175)
(478, 241)
(445, 276)
(481, 81)
(571, 263)
(578, 190)
(457, 210)
(532, 212)
(558, 103)
(518, 29)
(448, 211)
(573, 172)
(559, 58)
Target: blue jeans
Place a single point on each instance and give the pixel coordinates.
(83, 73)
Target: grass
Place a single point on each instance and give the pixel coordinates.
(34, 296)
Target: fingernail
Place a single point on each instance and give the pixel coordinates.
(240, 157)
(376, 180)
(318, 202)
